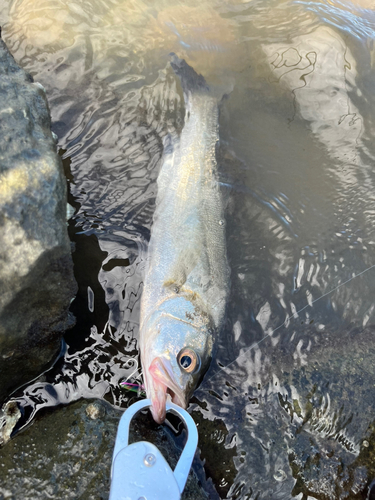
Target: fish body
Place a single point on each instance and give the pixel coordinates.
(187, 277)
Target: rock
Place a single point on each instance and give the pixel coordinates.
(93, 411)
(9, 416)
(36, 270)
(68, 455)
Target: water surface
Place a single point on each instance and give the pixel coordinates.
(287, 408)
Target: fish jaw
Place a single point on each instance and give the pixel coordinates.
(158, 396)
(161, 384)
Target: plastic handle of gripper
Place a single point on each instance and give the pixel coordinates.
(139, 471)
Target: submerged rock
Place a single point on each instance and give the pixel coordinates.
(36, 270)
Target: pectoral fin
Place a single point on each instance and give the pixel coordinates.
(182, 267)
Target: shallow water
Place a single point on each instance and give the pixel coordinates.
(287, 408)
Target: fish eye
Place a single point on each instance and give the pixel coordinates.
(188, 360)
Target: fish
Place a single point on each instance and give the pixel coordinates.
(186, 282)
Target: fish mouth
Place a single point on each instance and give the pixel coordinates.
(163, 386)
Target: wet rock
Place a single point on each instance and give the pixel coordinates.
(94, 411)
(331, 452)
(219, 459)
(371, 491)
(68, 455)
(36, 271)
(9, 416)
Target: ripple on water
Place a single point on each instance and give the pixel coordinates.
(288, 403)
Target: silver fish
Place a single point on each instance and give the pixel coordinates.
(187, 276)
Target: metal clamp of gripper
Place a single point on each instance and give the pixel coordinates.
(153, 478)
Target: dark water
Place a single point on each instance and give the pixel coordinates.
(287, 409)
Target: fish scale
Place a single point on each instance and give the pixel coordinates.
(187, 277)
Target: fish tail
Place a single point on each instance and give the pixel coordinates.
(192, 82)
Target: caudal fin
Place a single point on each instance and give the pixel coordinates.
(190, 80)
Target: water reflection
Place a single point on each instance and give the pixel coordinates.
(289, 401)
(320, 71)
(294, 420)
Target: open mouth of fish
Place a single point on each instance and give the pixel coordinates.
(162, 387)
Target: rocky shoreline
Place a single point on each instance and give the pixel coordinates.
(37, 283)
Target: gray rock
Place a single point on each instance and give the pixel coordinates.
(67, 455)
(9, 416)
(36, 270)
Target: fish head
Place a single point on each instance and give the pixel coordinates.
(175, 355)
